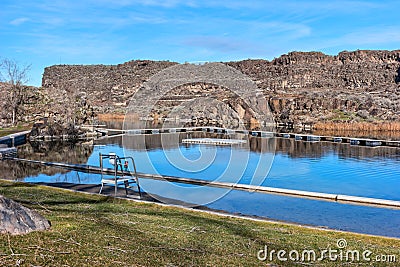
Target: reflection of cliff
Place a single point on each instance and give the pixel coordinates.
(290, 147)
(359, 152)
(44, 151)
(300, 149)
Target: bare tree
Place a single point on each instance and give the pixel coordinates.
(15, 76)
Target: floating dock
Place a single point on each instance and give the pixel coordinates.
(340, 139)
(8, 143)
(256, 133)
(213, 141)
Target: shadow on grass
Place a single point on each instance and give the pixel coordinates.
(71, 202)
(32, 194)
(230, 225)
(16, 184)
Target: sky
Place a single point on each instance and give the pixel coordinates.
(50, 32)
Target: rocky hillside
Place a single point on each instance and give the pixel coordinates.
(301, 87)
(35, 102)
(313, 87)
(107, 88)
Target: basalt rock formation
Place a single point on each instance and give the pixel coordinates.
(313, 87)
(301, 87)
(107, 88)
(17, 219)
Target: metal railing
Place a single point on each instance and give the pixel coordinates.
(116, 161)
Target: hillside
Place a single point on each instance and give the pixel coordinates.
(301, 87)
(313, 87)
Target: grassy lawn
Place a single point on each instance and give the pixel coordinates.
(100, 231)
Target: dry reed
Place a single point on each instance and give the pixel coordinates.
(357, 126)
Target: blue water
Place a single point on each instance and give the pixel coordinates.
(331, 171)
(377, 178)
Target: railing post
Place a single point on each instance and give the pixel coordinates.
(136, 177)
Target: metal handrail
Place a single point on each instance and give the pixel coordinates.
(118, 162)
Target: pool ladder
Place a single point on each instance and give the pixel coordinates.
(126, 180)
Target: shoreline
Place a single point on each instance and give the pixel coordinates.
(90, 189)
(199, 208)
(383, 126)
(368, 130)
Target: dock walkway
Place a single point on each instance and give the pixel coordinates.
(256, 133)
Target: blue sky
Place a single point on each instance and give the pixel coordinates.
(49, 32)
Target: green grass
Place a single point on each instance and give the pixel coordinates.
(341, 116)
(92, 230)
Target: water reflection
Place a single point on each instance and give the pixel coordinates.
(80, 153)
(380, 135)
(300, 149)
(68, 152)
(290, 147)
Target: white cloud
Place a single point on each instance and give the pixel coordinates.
(19, 21)
(216, 43)
(366, 37)
(153, 3)
(291, 30)
(271, 5)
(130, 19)
(373, 36)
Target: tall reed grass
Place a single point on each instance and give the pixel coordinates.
(357, 126)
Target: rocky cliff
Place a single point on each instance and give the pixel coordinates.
(301, 87)
(108, 88)
(312, 87)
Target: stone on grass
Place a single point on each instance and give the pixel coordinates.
(16, 219)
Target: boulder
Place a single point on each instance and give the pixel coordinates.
(16, 219)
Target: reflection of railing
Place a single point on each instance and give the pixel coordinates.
(8, 152)
(127, 180)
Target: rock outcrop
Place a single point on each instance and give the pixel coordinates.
(313, 87)
(107, 88)
(17, 219)
(301, 87)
